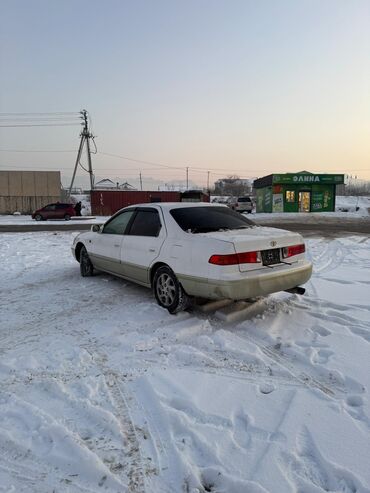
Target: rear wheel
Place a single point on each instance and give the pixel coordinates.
(86, 266)
(38, 217)
(67, 217)
(168, 291)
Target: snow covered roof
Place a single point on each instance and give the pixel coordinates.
(126, 186)
(105, 183)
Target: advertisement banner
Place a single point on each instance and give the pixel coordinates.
(277, 202)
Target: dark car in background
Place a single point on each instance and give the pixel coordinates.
(55, 211)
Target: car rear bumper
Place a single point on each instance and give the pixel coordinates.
(251, 285)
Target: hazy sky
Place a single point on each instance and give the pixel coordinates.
(234, 86)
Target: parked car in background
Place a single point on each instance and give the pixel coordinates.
(244, 204)
(183, 250)
(54, 211)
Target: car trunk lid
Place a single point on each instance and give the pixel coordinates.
(269, 241)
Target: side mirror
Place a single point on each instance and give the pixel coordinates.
(96, 228)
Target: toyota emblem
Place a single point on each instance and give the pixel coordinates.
(273, 243)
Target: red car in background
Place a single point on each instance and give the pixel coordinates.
(55, 211)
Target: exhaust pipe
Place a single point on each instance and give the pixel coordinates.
(296, 290)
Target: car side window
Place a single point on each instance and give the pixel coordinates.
(51, 207)
(146, 223)
(118, 224)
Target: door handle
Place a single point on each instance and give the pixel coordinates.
(151, 249)
(117, 246)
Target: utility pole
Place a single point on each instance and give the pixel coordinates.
(141, 182)
(187, 178)
(85, 138)
(208, 181)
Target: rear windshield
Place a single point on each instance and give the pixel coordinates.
(244, 199)
(207, 219)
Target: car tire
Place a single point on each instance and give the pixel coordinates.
(67, 217)
(168, 291)
(86, 266)
(39, 217)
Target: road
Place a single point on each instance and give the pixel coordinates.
(47, 226)
(325, 227)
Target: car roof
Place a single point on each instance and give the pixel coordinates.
(58, 203)
(178, 205)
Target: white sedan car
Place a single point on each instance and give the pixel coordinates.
(193, 249)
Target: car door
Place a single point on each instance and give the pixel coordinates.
(104, 247)
(49, 211)
(60, 211)
(142, 243)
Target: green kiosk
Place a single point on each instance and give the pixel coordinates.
(297, 192)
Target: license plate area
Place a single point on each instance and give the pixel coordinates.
(271, 257)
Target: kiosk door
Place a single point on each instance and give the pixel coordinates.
(304, 201)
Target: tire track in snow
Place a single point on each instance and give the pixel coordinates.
(32, 473)
(330, 258)
(119, 399)
(303, 378)
(306, 379)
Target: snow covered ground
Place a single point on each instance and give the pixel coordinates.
(102, 390)
(353, 204)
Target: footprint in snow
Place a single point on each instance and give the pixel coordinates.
(354, 406)
(321, 331)
(310, 471)
(245, 432)
(321, 356)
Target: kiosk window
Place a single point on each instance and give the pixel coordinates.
(290, 196)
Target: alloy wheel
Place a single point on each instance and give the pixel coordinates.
(166, 289)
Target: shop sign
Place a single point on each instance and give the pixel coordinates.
(302, 179)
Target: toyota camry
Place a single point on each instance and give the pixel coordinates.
(184, 250)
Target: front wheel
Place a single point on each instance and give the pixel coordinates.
(168, 291)
(86, 266)
(67, 217)
(38, 217)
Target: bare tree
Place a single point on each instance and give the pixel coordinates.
(232, 185)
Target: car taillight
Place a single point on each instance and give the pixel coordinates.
(249, 257)
(236, 258)
(290, 251)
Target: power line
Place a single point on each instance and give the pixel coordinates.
(38, 120)
(40, 117)
(168, 166)
(34, 166)
(42, 125)
(33, 150)
(48, 113)
(46, 119)
(213, 171)
(140, 161)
